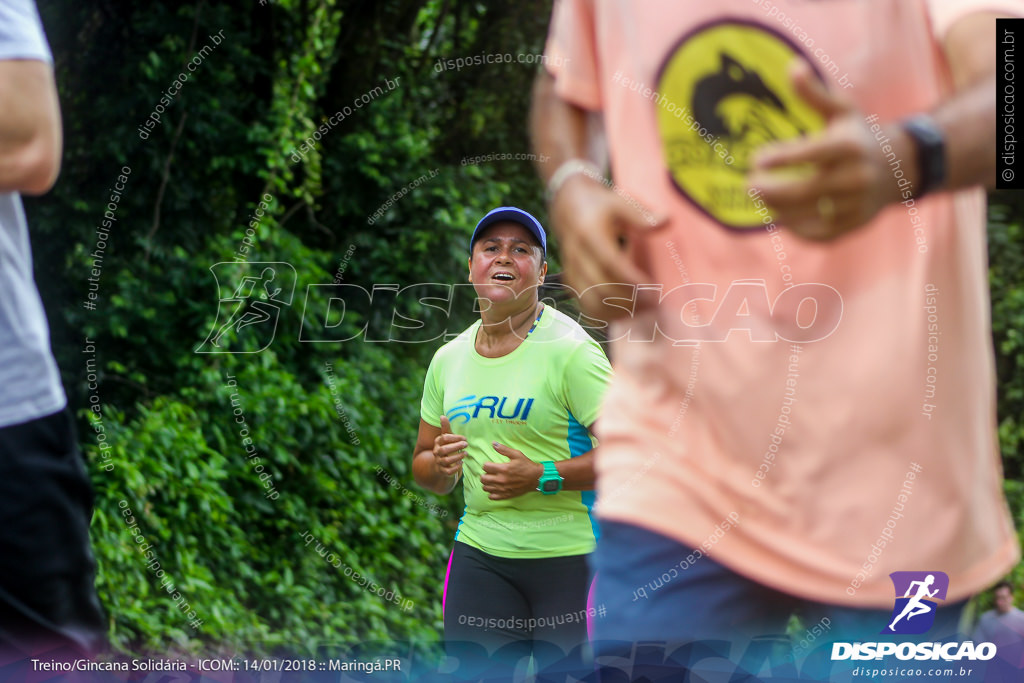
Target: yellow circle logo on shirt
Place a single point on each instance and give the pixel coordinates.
(722, 93)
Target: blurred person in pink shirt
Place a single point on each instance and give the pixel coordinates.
(804, 395)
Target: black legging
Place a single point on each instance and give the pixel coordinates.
(516, 605)
(47, 599)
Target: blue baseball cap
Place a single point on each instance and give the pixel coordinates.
(513, 215)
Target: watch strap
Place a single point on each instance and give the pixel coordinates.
(930, 144)
(550, 474)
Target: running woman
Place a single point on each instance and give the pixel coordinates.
(507, 409)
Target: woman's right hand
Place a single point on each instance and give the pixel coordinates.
(449, 449)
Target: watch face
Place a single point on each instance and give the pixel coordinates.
(551, 485)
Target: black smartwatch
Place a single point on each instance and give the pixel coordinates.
(930, 144)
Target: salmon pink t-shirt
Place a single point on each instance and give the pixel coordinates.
(835, 399)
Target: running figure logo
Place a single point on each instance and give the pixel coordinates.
(251, 309)
(914, 612)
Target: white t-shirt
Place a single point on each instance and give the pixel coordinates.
(29, 381)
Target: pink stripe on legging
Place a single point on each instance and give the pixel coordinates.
(444, 593)
(590, 605)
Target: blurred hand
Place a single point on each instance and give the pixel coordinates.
(594, 225)
(849, 180)
(503, 480)
(449, 449)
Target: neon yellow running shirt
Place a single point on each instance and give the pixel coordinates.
(540, 399)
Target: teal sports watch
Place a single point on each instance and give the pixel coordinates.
(550, 482)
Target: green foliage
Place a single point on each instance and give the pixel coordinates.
(1006, 250)
(329, 436)
(1006, 266)
(182, 467)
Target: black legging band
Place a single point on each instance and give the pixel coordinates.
(516, 605)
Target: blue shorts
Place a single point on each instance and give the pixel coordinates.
(707, 617)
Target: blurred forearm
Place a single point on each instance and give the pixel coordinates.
(969, 118)
(30, 128)
(558, 129)
(577, 472)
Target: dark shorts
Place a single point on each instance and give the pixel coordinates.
(48, 601)
(515, 607)
(709, 616)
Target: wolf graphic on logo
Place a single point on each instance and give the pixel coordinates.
(735, 104)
